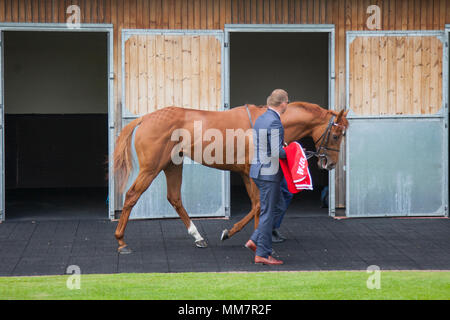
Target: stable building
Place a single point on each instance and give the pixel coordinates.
(67, 89)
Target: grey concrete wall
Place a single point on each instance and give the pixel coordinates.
(55, 72)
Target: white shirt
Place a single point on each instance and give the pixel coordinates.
(275, 111)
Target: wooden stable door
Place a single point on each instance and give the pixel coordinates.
(397, 143)
(172, 70)
(175, 68)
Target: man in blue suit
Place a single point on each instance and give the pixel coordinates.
(268, 138)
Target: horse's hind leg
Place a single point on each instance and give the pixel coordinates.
(253, 193)
(174, 174)
(142, 182)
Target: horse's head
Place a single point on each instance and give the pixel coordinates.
(330, 138)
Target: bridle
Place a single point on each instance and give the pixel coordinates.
(324, 141)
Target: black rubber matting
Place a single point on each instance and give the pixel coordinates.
(316, 242)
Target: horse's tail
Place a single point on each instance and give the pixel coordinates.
(123, 163)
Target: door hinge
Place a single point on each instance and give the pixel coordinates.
(226, 105)
(226, 44)
(112, 76)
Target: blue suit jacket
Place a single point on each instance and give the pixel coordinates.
(268, 131)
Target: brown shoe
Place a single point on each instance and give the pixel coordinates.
(250, 245)
(269, 261)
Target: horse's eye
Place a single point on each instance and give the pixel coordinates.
(335, 137)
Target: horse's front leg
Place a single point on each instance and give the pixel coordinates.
(253, 193)
(174, 174)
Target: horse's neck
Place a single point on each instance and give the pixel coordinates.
(302, 123)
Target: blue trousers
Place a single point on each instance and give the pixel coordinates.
(269, 195)
(282, 204)
(274, 200)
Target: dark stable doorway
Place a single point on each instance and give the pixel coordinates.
(56, 125)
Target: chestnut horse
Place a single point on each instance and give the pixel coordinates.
(154, 145)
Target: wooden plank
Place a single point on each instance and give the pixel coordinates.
(22, 11)
(358, 52)
(142, 76)
(392, 76)
(438, 66)
(177, 71)
(417, 8)
(374, 75)
(187, 72)
(197, 14)
(304, 11)
(169, 70)
(151, 72)
(178, 14)
(171, 13)
(152, 13)
(404, 17)
(272, 12)
(409, 59)
(444, 6)
(203, 14)
(430, 11)
(425, 81)
(417, 76)
(195, 68)
(266, 11)
(145, 15)
(165, 15)
(212, 60)
(400, 107)
(423, 14)
(62, 11)
(2, 11)
(284, 11)
(134, 75)
(228, 12)
(366, 90)
(216, 19)
(94, 11)
(297, 11)
(139, 14)
(209, 15)
(317, 10)
(383, 76)
(218, 72)
(127, 75)
(222, 14)
(435, 78)
(160, 71)
(204, 81)
(436, 15)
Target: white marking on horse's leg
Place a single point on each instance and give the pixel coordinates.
(192, 230)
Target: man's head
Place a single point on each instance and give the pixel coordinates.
(278, 100)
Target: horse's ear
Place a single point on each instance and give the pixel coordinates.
(339, 116)
(346, 112)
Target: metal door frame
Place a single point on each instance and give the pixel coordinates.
(326, 28)
(443, 112)
(63, 27)
(126, 116)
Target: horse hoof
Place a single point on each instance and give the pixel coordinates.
(124, 250)
(201, 244)
(224, 235)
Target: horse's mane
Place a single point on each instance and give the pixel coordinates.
(317, 110)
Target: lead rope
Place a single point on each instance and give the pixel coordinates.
(249, 116)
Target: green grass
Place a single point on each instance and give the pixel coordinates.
(205, 286)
